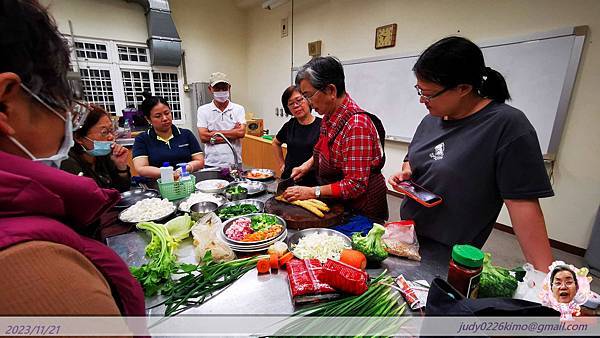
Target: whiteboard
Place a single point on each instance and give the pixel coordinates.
(539, 69)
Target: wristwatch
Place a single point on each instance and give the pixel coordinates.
(317, 191)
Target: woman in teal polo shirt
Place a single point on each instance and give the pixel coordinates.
(164, 142)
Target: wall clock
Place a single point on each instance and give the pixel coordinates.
(385, 36)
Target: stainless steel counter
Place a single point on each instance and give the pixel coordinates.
(269, 294)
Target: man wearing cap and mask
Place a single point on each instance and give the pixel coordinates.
(221, 116)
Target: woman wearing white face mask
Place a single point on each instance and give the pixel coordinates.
(44, 257)
(96, 155)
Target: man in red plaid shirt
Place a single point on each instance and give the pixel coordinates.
(348, 156)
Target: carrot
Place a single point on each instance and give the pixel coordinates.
(263, 265)
(354, 258)
(274, 260)
(285, 258)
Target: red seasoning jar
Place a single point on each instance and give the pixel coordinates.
(465, 269)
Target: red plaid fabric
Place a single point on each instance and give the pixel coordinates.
(355, 149)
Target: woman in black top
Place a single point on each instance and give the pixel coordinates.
(300, 134)
(96, 155)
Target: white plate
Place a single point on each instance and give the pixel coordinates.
(212, 186)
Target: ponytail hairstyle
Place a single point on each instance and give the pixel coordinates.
(455, 60)
(151, 101)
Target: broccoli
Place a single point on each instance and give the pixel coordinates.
(372, 245)
(496, 281)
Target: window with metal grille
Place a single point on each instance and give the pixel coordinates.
(167, 86)
(97, 88)
(133, 54)
(88, 50)
(134, 84)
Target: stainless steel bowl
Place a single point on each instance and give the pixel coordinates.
(254, 187)
(295, 238)
(258, 204)
(201, 208)
(238, 196)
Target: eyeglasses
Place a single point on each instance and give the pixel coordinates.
(309, 98)
(430, 97)
(106, 132)
(567, 283)
(298, 102)
(79, 111)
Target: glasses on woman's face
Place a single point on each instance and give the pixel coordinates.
(567, 283)
(296, 103)
(426, 98)
(106, 132)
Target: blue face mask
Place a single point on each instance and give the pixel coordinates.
(101, 148)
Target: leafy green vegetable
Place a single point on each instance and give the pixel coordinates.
(179, 227)
(156, 274)
(262, 222)
(496, 281)
(236, 210)
(235, 190)
(372, 245)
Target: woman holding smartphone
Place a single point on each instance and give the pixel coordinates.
(476, 152)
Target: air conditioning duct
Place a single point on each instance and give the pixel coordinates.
(164, 42)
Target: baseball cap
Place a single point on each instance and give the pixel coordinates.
(217, 77)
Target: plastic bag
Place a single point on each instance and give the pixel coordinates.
(400, 240)
(205, 237)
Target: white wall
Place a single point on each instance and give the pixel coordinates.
(108, 19)
(347, 28)
(213, 35)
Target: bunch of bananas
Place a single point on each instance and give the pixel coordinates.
(313, 205)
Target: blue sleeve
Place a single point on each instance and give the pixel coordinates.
(140, 148)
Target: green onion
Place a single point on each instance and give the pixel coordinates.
(378, 301)
(202, 282)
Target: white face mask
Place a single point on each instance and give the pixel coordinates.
(68, 142)
(221, 96)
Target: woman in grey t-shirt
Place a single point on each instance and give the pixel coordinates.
(476, 152)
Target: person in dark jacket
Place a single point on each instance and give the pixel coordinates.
(96, 155)
(48, 267)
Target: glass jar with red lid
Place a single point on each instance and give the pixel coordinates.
(465, 269)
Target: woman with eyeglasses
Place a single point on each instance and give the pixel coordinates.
(348, 156)
(476, 152)
(96, 155)
(164, 142)
(49, 267)
(300, 134)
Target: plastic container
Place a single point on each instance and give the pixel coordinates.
(465, 269)
(166, 173)
(184, 174)
(126, 129)
(178, 189)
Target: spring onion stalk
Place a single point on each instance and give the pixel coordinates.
(201, 282)
(378, 301)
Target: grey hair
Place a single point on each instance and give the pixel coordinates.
(322, 71)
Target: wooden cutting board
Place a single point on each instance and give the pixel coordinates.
(299, 218)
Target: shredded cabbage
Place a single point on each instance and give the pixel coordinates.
(320, 246)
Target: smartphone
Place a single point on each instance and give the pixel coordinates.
(419, 194)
